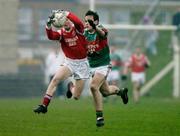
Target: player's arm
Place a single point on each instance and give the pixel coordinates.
(77, 22)
(52, 35)
(147, 62)
(98, 28)
(101, 31)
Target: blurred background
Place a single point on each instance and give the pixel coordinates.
(24, 45)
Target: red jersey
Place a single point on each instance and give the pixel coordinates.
(73, 42)
(137, 63)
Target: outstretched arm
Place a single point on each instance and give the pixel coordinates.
(77, 22)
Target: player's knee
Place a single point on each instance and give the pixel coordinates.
(76, 97)
(104, 94)
(93, 88)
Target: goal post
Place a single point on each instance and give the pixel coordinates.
(176, 58)
(174, 64)
(140, 27)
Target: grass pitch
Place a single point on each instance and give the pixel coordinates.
(150, 117)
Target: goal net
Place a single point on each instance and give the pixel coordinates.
(161, 46)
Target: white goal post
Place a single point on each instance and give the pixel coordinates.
(174, 64)
(139, 27)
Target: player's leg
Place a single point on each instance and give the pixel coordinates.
(62, 74)
(138, 80)
(75, 90)
(136, 91)
(95, 84)
(81, 73)
(135, 77)
(70, 86)
(78, 88)
(107, 90)
(102, 73)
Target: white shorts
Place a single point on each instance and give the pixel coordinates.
(114, 75)
(78, 67)
(104, 70)
(138, 77)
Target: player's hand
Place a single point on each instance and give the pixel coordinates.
(50, 19)
(123, 77)
(91, 23)
(49, 22)
(52, 14)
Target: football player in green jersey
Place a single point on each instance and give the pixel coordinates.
(99, 61)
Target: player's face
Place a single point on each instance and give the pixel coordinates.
(86, 23)
(138, 51)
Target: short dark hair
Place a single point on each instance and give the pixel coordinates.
(92, 13)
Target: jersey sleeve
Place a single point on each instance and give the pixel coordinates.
(53, 35)
(77, 22)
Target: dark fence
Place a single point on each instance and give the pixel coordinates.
(28, 82)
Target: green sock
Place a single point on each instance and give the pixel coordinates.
(99, 114)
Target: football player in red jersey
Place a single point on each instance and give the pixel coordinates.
(73, 45)
(137, 63)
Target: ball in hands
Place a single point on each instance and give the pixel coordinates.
(59, 19)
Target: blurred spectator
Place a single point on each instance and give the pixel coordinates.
(137, 63)
(116, 62)
(176, 22)
(53, 61)
(151, 37)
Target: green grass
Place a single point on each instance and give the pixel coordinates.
(156, 115)
(151, 117)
